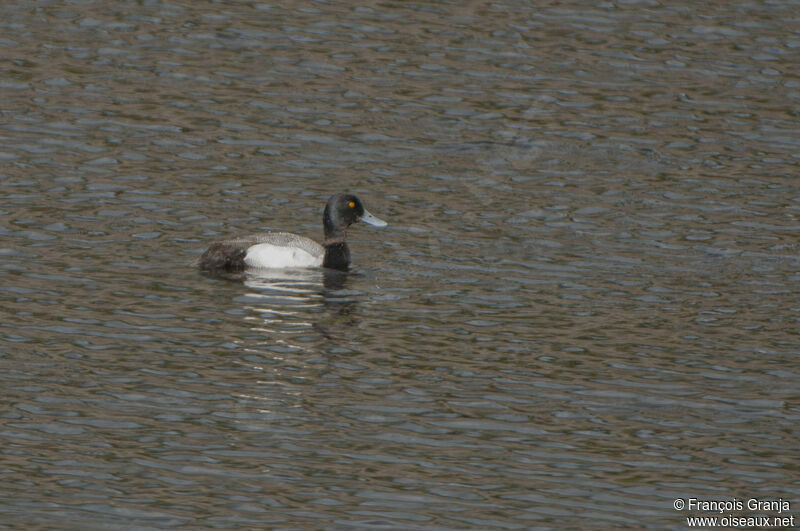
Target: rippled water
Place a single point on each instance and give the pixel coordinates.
(584, 305)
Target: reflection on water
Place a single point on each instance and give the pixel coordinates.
(585, 306)
(280, 299)
(282, 294)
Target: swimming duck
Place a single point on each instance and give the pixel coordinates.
(287, 250)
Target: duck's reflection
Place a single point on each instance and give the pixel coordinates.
(284, 301)
(323, 282)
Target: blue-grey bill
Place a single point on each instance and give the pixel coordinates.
(372, 220)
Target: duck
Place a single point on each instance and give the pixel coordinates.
(273, 250)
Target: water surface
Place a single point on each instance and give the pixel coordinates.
(584, 305)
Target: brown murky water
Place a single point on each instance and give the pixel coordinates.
(584, 305)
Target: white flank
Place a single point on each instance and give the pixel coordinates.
(266, 255)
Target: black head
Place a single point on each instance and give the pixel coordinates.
(342, 211)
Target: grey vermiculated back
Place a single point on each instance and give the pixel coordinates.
(283, 239)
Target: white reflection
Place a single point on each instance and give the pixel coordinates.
(282, 293)
(284, 307)
(281, 303)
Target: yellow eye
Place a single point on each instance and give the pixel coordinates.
(351, 204)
